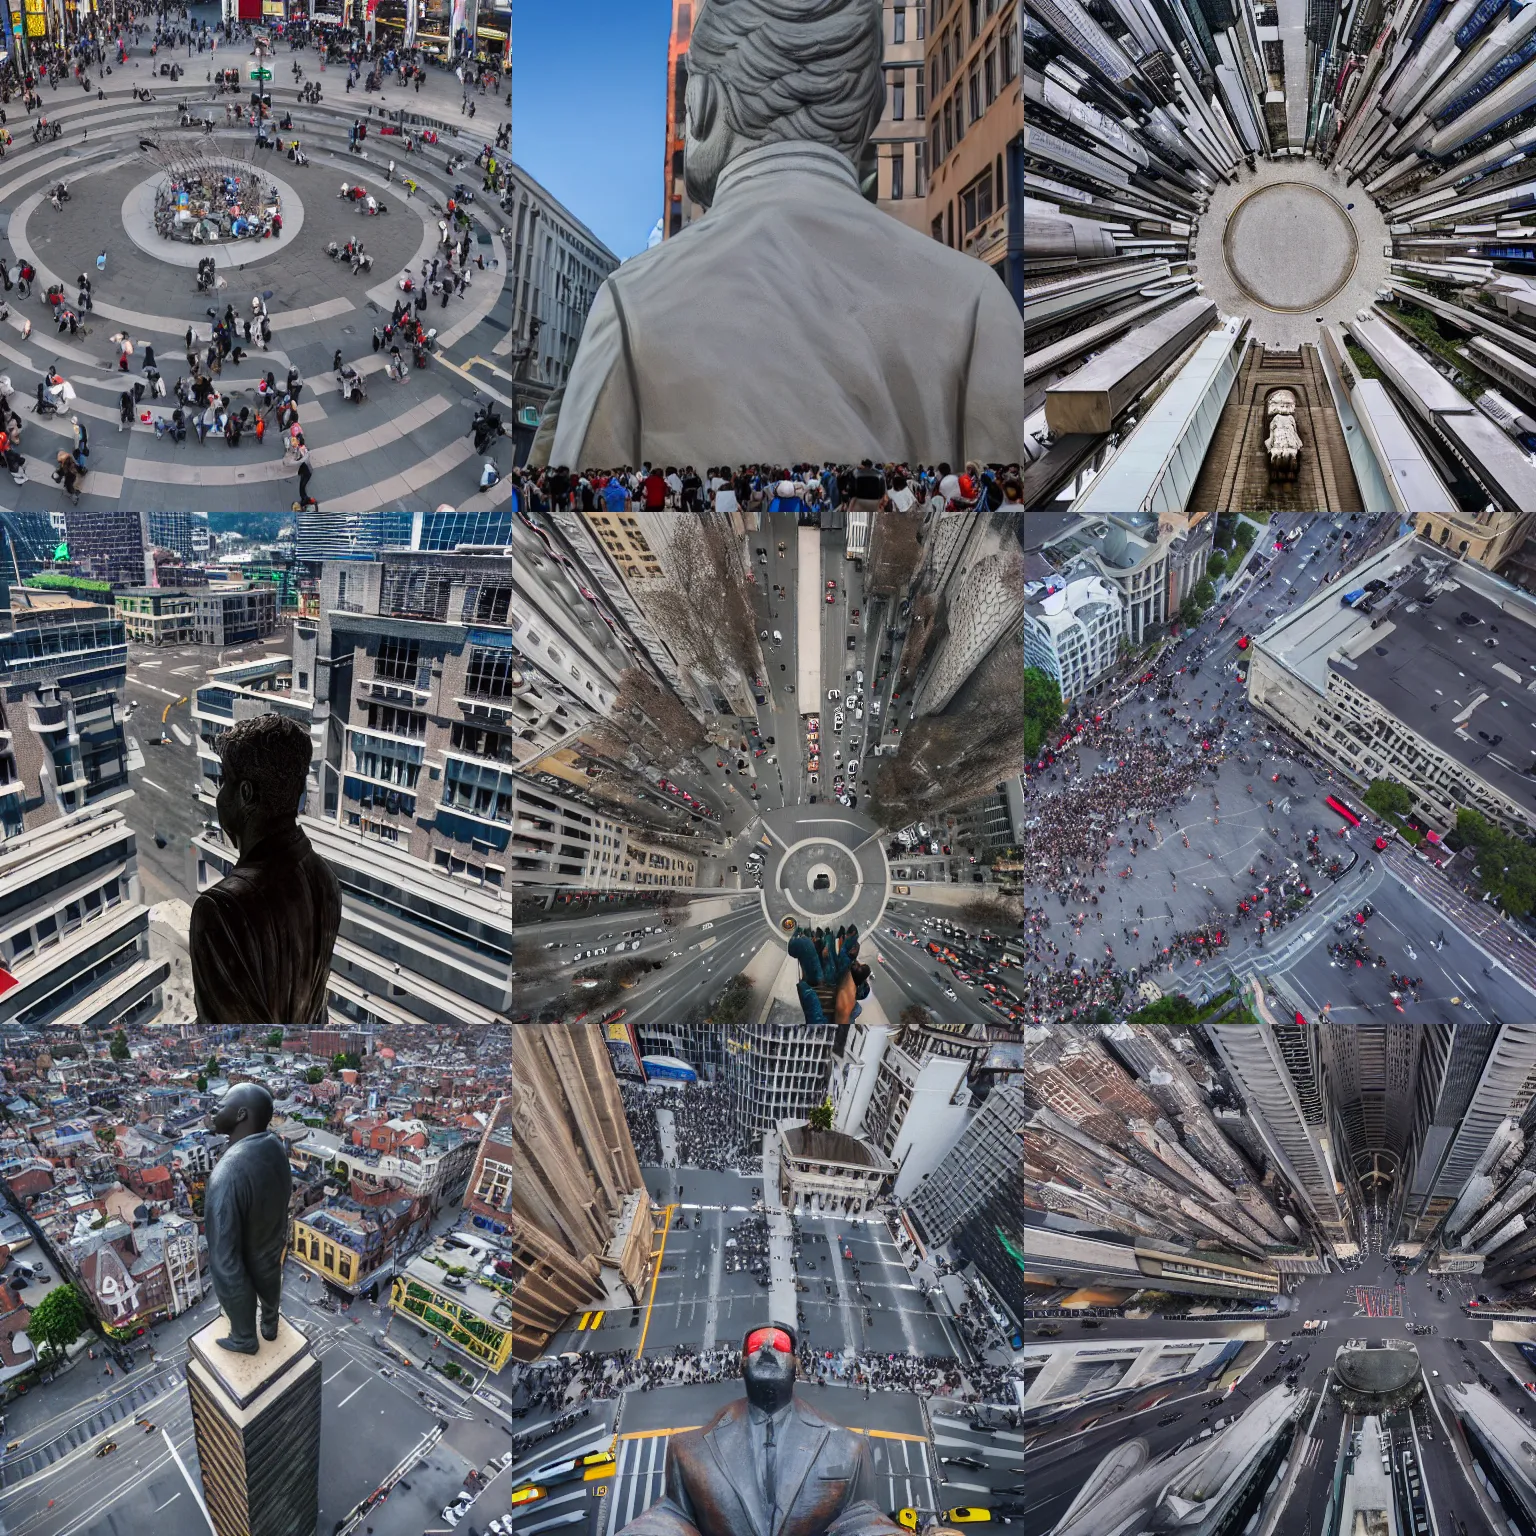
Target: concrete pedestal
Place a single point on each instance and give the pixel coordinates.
(257, 1419)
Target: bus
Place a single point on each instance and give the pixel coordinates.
(1338, 808)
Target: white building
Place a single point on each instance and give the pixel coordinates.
(828, 1171)
(1072, 630)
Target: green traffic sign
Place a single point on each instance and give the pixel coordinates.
(261, 74)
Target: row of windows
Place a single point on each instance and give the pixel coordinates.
(989, 76)
(47, 930)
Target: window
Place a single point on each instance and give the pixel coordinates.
(936, 229)
(975, 19)
(921, 18)
(989, 75)
(922, 95)
(975, 95)
(493, 603)
(48, 927)
(899, 24)
(397, 659)
(949, 125)
(1010, 53)
(21, 944)
(898, 99)
(898, 169)
(938, 153)
(304, 682)
(919, 178)
(944, 60)
(490, 673)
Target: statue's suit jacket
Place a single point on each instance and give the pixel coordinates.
(794, 321)
(826, 1482)
(261, 939)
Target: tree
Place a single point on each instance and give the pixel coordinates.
(1175, 1009)
(268, 1057)
(1388, 798)
(1217, 564)
(820, 1117)
(212, 1069)
(1204, 593)
(915, 1013)
(1506, 865)
(106, 1134)
(314, 1074)
(119, 1047)
(1042, 709)
(274, 1038)
(58, 1320)
(202, 1083)
(344, 1059)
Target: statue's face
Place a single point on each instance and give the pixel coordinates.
(234, 805)
(768, 1365)
(226, 1118)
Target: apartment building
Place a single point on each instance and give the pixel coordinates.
(989, 1152)
(227, 614)
(558, 841)
(921, 1102)
(1072, 630)
(976, 132)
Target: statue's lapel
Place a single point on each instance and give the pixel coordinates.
(803, 1440)
(730, 1443)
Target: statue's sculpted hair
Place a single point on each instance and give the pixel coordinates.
(273, 752)
(795, 69)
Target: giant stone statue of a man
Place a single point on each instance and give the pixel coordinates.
(794, 320)
(245, 1215)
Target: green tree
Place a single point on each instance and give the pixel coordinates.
(106, 1134)
(202, 1083)
(58, 1320)
(1217, 564)
(274, 1037)
(1042, 709)
(1175, 1009)
(314, 1074)
(820, 1117)
(344, 1059)
(212, 1069)
(119, 1046)
(1388, 798)
(1204, 593)
(1506, 866)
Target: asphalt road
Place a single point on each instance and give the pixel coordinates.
(1066, 1452)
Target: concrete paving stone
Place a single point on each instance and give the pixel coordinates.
(404, 446)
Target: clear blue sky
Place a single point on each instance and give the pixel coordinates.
(589, 108)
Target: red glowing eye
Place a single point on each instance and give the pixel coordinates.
(774, 1336)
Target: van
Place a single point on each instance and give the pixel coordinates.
(778, 639)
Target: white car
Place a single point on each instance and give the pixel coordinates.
(853, 769)
(837, 721)
(858, 675)
(709, 925)
(834, 694)
(949, 992)
(874, 706)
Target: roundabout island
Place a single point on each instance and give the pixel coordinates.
(194, 246)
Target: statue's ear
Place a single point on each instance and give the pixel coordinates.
(703, 103)
(246, 793)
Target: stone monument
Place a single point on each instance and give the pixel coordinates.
(794, 320)
(255, 1400)
(1283, 445)
(261, 939)
(768, 1465)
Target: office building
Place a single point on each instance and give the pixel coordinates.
(828, 1172)
(901, 139)
(678, 209)
(1333, 672)
(990, 1151)
(109, 546)
(580, 1225)
(174, 531)
(1073, 624)
(975, 127)
(156, 615)
(63, 664)
(234, 615)
(31, 538)
(74, 926)
(774, 1070)
(557, 841)
(555, 269)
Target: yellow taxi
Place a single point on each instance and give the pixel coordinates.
(964, 1516)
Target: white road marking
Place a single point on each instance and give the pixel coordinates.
(350, 1395)
(163, 790)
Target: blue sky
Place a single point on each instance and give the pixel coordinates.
(589, 106)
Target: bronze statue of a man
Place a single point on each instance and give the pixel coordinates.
(261, 939)
(245, 1215)
(767, 1466)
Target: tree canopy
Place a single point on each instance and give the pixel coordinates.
(1388, 798)
(58, 1320)
(1042, 709)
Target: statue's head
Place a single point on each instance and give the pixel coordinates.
(265, 763)
(768, 1365)
(772, 71)
(245, 1110)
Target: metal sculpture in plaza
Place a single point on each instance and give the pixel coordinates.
(261, 939)
(245, 1212)
(768, 1464)
(206, 195)
(794, 320)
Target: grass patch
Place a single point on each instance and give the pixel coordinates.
(1361, 359)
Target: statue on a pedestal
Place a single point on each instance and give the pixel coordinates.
(795, 320)
(261, 939)
(245, 1214)
(769, 1465)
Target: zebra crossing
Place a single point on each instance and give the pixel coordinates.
(642, 1461)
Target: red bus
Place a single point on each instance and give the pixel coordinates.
(1340, 809)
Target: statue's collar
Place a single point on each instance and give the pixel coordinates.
(798, 155)
(285, 842)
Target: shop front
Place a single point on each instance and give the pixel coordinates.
(390, 21)
(433, 29)
(493, 32)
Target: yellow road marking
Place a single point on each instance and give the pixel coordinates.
(655, 1280)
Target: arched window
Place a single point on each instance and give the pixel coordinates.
(1445, 535)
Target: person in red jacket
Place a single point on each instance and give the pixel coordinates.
(655, 490)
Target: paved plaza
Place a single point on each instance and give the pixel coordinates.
(1312, 230)
(407, 445)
